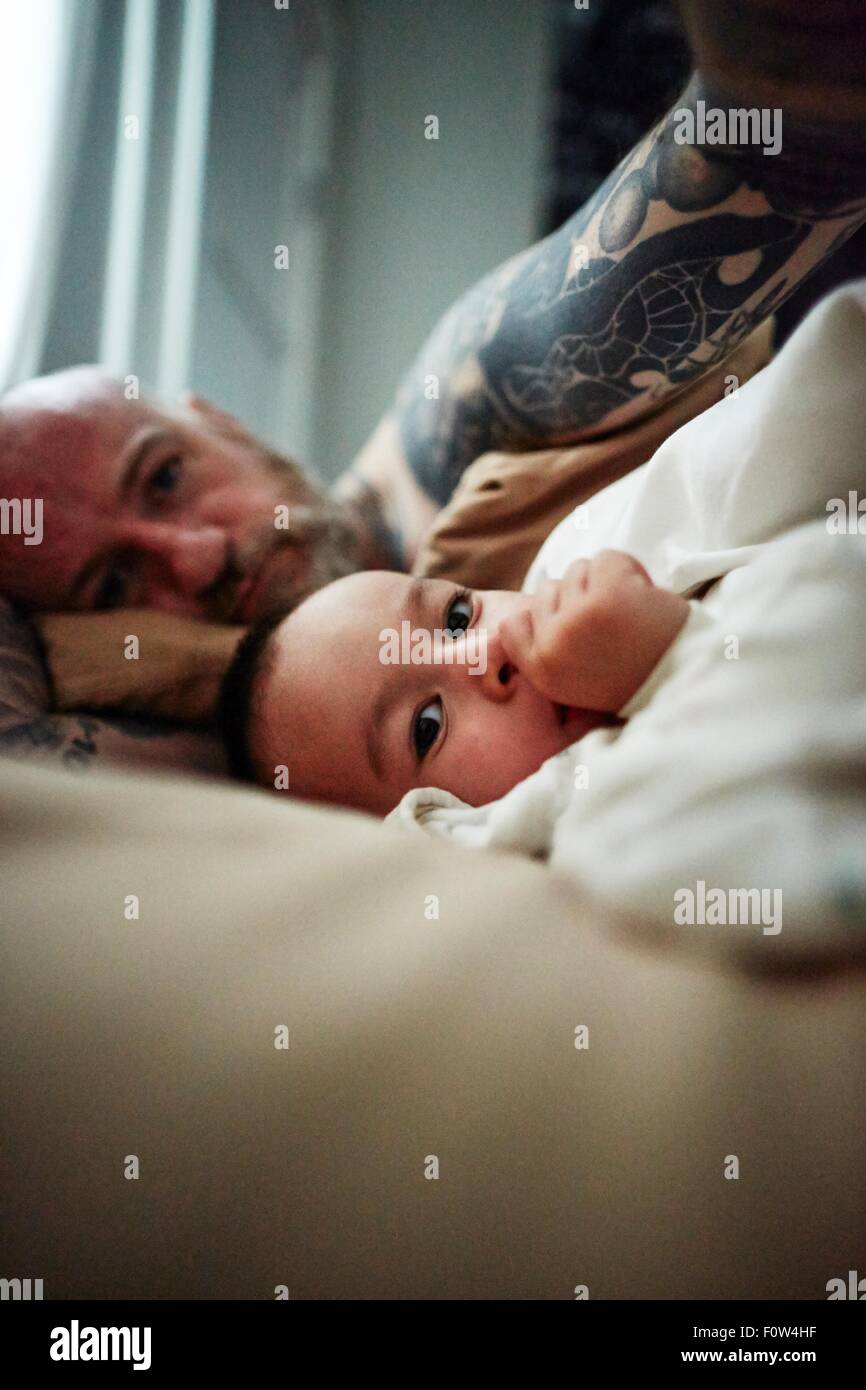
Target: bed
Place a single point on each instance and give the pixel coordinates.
(254, 1049)
(489, 1090)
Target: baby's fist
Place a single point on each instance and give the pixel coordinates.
(591, 638)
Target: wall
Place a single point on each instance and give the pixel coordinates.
(412, 222)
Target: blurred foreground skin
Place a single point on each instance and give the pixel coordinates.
(360, 731)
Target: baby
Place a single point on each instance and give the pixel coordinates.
(317, 701)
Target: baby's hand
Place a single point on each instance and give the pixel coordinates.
(591, 638)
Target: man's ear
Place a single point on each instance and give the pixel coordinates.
(219, 420)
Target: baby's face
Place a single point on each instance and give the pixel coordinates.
(356, 731)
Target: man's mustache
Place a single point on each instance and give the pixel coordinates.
(220, 598)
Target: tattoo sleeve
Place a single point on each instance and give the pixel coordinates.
(677, 257)
(28, 728)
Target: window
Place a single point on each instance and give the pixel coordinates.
(35, 38)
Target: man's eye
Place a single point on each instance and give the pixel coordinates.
(164, 479)
(455, 620)
(425, 729)
(111, 591)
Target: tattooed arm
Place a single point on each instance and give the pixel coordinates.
(679, 255)
(77, 741)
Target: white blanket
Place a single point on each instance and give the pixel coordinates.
(733, 801)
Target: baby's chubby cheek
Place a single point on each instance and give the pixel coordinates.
(500, 748)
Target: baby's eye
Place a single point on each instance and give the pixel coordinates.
(426, 726)
(457, 621)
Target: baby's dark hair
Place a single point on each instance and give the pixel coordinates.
(235, 711)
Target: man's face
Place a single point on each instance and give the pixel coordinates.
(149, 507)
(358, 732)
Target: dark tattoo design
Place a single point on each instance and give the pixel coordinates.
(81, 747)
(606, 312)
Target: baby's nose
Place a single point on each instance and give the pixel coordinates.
(495, 675)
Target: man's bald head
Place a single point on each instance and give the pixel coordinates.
(48, 417)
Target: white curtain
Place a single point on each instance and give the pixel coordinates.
(46, 50)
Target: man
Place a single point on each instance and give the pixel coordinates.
(673, 261)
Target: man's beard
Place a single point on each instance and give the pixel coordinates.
(325, 543)
(329, 549)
